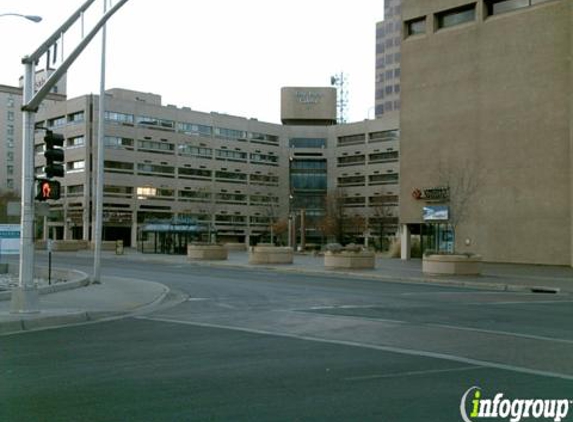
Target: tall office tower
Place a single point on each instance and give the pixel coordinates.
(388, 40)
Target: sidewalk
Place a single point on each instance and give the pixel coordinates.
(114, 297)
(510, 277)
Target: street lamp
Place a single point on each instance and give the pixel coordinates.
(32, 18)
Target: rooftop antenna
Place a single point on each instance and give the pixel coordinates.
(340, 82)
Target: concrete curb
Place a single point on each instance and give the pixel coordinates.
(48, 319)
(438, 281)
(77, 279)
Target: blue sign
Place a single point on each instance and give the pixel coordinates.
(436, 213)
(10, 239)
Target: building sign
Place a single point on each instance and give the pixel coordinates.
(437, 194)
(9, 239)
(436, 213)
(308, 97)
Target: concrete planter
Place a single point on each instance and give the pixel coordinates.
(207, 252)
(450, 264)
(231, 246)
(106, 245)
(270, 255)
(63, 245)
(350, 260)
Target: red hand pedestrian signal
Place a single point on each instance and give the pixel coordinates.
(47, 189)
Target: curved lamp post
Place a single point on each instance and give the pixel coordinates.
(32, 18)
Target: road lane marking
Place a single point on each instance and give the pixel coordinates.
(390, 349)
(502, 333)
(413, 373)
(521, 302)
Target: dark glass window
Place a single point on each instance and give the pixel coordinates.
(456, 16)
(416, 26)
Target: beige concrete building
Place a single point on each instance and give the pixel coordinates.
(11, 129)
(486, 96)
(235, 174)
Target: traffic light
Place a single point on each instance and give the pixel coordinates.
(47, 189)
(54, 154)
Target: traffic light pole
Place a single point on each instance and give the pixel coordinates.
(25, 296)
(99, 168)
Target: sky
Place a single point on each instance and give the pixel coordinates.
(226, 56)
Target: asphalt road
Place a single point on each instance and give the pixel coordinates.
(259, 346)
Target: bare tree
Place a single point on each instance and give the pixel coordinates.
(462, 181)
(383, 212)
(332, 224)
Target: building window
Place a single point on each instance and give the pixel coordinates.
(383, 179)
(10, 130)
(10, 183)
(10, 102)
(194, 174)
(307, 143)
(76, 142)
(115, 142)
(119, 118)
(76, 166)
(77, 117)
(156, 147)
(415, 26)
(352, 160)
(263, 159)
(496, 7)
(224, 133)
(10, 170)
(194, 129)
(385, 135)
(223, 154)
(352, 139)
(57, 122)
(76, 190)
(456, 16)
(230, 176)
(155, 169)
(10, 116)
(10, 156)
(193, 151)
(257, 137)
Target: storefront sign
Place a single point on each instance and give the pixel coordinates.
(441, 194)
(436, 213)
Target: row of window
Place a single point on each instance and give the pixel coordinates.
(381, 136)
(464, 14)
(184, 195)
(191, 128)
(188, 173)
(373, 179)
(360, 159)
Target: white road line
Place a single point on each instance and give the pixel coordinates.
(390, 349)
(522, 302)
(502, 333)
(414, 373)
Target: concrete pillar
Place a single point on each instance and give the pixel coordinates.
(86, 224)
(134, 229)
(405, 242)
(302, 230)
